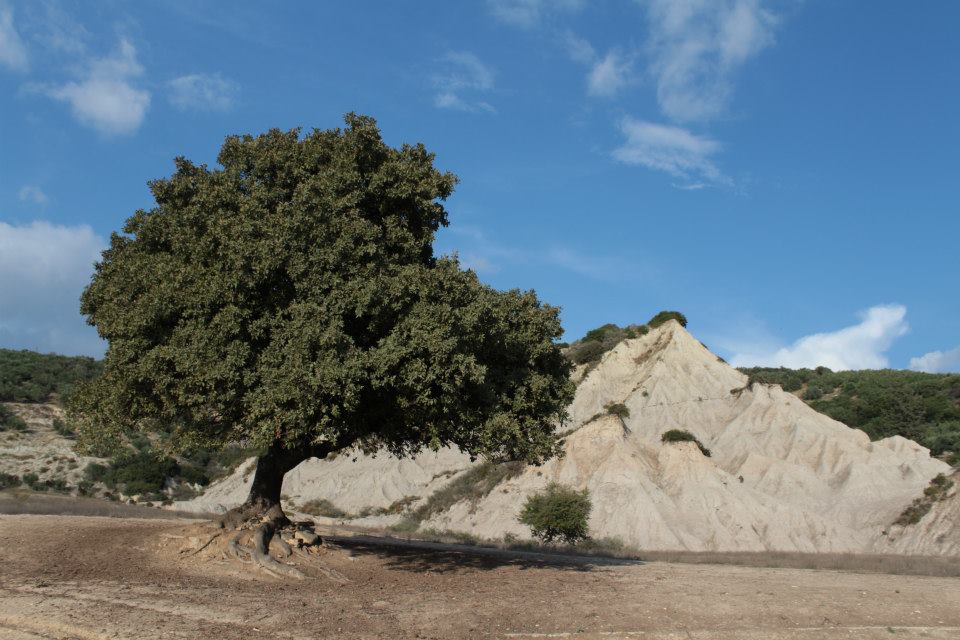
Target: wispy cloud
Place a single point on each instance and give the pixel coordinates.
(104, 97)
(32, 194)
(461, 83)
(13, 53)
(606, 75)
(609, 75)
(860, 346)
(697, 46)
(937, 362)
(202, 92)
(480, 253)
(530, 13)
(43, 269)
(670, 149)
(595, 267)
(579, 49)
(53, 28)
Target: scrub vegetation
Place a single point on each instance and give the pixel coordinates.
(679, 435)
(591, 347)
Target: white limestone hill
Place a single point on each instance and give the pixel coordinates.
(781, 476)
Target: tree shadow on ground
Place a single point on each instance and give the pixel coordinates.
(430, 557)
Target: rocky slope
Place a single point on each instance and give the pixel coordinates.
(781, 476)
(40, 449)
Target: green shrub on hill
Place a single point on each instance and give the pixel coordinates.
(9, 480)
(558, 512)
(618, 409)
(135, 472)
(63, 428)
(9, 421)
(943, 437)
(679, 435)
(586, 352)
(664, 316)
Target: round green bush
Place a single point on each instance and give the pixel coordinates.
(558, 512)
(618, 409)
(586, 352)
(9, 480)
(813, 393)
(943, 437)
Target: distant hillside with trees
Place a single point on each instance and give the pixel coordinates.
(924, 407)
(28, 376)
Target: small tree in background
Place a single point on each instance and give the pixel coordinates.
(558, 512)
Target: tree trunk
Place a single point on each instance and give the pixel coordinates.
(272, 466)
(262, 512)
(263, 501)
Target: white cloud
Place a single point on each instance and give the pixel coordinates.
(860, 346)
(673, 150)
(609, 75)
(32, 194)
(937, 362)
(204, 92)
(462, 81)
(43, 269)
(530, 13)
(13, 53)
(104, 97)
(696, 46)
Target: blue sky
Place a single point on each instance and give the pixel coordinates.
(785, 173)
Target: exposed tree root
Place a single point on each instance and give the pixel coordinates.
(262, 535)
(234, 546)
(285, 549)
(204, 545)
(260, 552)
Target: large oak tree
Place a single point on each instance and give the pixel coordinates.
(291, 299)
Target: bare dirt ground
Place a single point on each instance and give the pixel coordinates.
(98, 577)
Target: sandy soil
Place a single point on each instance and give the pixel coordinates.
(96, 577)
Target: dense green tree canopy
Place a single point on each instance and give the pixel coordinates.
(292, 297)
